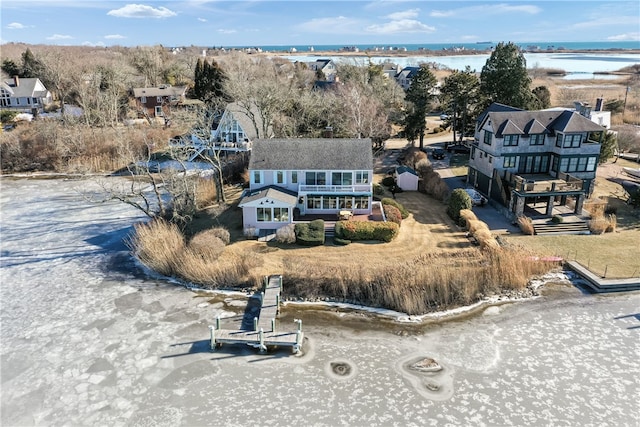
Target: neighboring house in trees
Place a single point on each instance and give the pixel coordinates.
(596, 115)
(24, 94)
(523, 157)
(405, 75)
(232, 130)
(326, 66)
(157, 101)
(306, 176)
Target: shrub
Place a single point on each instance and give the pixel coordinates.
(458, 201)
(250, 232)
(392, 214)
(221, 233)
(467, 215)
(598, 226)
(286, 234)
(612, 223)
(557, 219)
(526, 225)
(393, 202)
(342, 242)
(310, 234)
(423, 167)
(207, 245)
(367, 230)
(378, 190)
(388, 181)
(475, 225)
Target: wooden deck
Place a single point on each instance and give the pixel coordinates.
(265, 331)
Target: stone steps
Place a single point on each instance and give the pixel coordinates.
(575, 227)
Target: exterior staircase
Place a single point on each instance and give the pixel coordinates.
(573, 227)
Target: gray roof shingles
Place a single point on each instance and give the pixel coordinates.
(311, 154)
(553, 121)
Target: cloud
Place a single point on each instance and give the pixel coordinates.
(15, 26)
(224, 31)
(400, 26)
(626, 37)
(606, 21)
(100, 44)
(59, 37)
(407, 14)
(332, 25)
(141, 11)
(114, 36)
(492, 9)
(202, 20)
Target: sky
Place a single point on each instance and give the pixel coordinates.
(298, 22)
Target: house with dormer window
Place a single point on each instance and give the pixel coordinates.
(521, 157)
(293, 178)
(325, 66)
(158, 101)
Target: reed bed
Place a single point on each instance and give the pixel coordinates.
(417, 286)
(205, 260)
(468, 215)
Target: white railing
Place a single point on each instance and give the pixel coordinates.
(359, 188)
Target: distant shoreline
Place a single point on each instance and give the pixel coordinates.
(426, 52)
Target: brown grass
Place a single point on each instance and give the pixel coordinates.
(526, 225)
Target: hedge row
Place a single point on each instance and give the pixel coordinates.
(310, 234)
(392, 214)
(367, 230)
(392, 202)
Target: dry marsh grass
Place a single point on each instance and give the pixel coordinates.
(526, 225)
(205, 260)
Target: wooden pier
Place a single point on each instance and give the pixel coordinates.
(264, 332)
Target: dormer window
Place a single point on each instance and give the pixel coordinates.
(511, 140)
(536, 139)
(487, 137)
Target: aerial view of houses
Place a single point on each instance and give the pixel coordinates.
(455, 222)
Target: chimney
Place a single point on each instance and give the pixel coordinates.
(16, 81)
(599, 104)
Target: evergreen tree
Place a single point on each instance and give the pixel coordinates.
(32, 67)
(504, 78)
(461, 94)
(420, 94)
(209, 83)
(608, 146)
(543, 96)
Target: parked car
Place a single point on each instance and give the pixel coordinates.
(476, 198)
(459, 149)
(444, 117)
(438, 154)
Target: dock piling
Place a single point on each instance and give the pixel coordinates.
(255, 323)
(212, 343)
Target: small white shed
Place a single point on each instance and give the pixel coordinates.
(407, 178)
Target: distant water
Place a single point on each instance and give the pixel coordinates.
(610, 45)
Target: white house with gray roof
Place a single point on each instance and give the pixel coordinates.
(24, 94)
(306, 177)
(523, 157)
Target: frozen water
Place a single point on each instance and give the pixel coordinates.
(86, 339)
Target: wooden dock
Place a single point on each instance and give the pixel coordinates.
(264, 332)
(600, 284)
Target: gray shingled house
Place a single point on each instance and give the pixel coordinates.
(306, 177)
(523, 157)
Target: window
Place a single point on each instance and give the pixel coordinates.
(294, 177)
(537, 139)
(316, 178)
(362, 177)
(34, 101)
(573, 164)
(361, 202)
(564, 165)
(281, 214)
(591, 164)
(279, 177)
(143, 99)
(257, 177)
(559, 140)
(509, 162)
(331, 202)
(487, 137)
(572, 141)
(314, 202)
(510, 140)
(582, 164)
(473, 152)
(554, 164)
(490, 158)
(341, 178)
(264, 214)
(159, 99)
